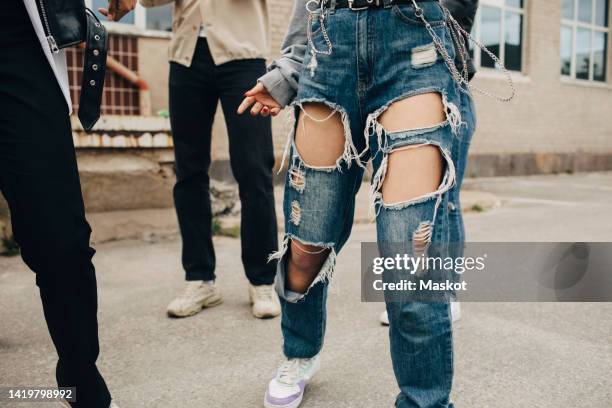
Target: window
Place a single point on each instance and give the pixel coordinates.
(584, 39)
(159, 18)
(499, 27)
(120, 97)
(155, 18)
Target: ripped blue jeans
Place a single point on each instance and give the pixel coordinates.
(379, 56)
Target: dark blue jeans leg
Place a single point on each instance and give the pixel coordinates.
(319, 206)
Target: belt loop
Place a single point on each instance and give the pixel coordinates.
(332, 6)
(388, 3)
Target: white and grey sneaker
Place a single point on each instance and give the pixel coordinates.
(196, 296)
(384, 318)
(264, 301)
(286, 390)
(455, 313)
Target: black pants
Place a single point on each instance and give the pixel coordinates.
(194, 94)
(40, 181)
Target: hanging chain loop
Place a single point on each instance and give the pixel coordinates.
(321, 18)
(462, 78)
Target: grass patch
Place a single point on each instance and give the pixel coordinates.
(233, 232)
(477, 208)
(10, 247)
(218, 230)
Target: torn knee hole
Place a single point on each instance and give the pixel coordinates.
(306, 259)
(308, 249)
(414, 112)
(411, 172)
(320, 257)
(322, 136)
(310, 264)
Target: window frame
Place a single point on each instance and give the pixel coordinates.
(574, 25)
(501, 4)
(140, 22)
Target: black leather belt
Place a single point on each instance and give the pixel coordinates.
(94, 71)
(364, 4)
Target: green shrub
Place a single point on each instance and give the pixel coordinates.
(10, 247)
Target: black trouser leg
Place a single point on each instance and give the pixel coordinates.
(39, 178)
(252, 160)
(193, 102)
(194, 94)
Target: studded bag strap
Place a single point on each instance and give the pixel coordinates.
(94, 71)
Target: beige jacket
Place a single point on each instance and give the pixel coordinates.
(235, 29)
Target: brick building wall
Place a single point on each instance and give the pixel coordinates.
(553, 125)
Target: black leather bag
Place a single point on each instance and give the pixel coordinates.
(67, 23)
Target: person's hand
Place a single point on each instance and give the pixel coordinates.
(117, 9)
(262, 102)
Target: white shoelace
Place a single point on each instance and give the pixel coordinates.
(288, 372)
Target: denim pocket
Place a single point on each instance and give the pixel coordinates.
(431, 11)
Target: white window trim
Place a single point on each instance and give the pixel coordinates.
(593, 28)
(501, 4)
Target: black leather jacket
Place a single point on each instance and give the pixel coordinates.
(67, 23)
(64, 22)
(464, 11)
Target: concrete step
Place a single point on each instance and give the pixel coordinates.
(160, 223)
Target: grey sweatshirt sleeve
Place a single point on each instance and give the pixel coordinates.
(283, 74)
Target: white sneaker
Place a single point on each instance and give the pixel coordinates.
(384, 318)
(286, 390)
(197, 295)
(264, 301)
(455, 313)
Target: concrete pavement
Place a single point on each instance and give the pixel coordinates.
(508, 355)
(152, 224)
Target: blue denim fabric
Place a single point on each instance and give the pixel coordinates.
(460, 150)
(379, 56)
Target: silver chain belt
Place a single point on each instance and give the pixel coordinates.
(455, 30)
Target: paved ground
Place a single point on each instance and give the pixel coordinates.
(507, 355)
(157, 223)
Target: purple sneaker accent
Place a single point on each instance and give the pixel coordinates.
(283, 402)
